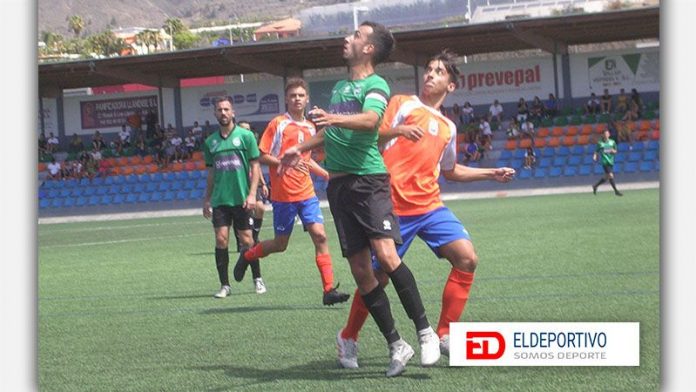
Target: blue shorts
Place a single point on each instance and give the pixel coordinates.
(284, 214)
(436, 228)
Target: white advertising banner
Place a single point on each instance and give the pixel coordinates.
(545, 344)
(596, 71)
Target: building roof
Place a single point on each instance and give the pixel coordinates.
(291, 56)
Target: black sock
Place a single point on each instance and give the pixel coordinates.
(236, 237)
(257, 229)
(600, 182)
(222, 261)
(613, 184)
(405, 286)
(377, 304)
(255, 269)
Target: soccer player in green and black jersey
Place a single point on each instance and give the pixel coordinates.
(605, 150)
(359, 191)
(230, 195)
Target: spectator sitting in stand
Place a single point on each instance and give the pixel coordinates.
(472, 152)
(624, 133)
(633, 112)
(178, 143)
(605, 102)
(551, 106)
(593, 105)
(536, 112)
(125, 137)
(486, 134)
(91, 167)
(529, 158)
(522, 110)
(52, 143)
(527, 129)
(98, 142)
(76, 145)
(467, 113)
(55, 171)
(190, 145)
(621, 102)
(513, 130)
(141, 147)
(495, 112)
(197, 132)
(635, 98)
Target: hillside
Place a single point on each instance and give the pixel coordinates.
(100, 15)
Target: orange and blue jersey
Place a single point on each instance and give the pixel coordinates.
(415, 166)
(282, 133)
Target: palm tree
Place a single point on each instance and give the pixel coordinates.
(76, 24)
(148, 38)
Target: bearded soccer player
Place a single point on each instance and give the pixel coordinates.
(230, 155)
(419, 144)
(359, 195)
(293, 194)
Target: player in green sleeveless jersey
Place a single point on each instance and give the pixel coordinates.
(230, 194)
(359, 191)
(605, 151)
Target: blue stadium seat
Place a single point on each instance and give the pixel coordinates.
(635, 156)
(524, 174)
(118, 199)
(102, 190)
(94, 200)
(156, 196)
(69, 202)
(657, 165)
(119, 180)
(156, 177)
(105, 200)
(194, 174)
(45, 203)
(169, 196)
(559, 161)
(131, 198)
(587, 160)
(650, 155)
(65, 192)
(57, 202)
(182, 175)
(70, 183)
(51, 184)
(505, 154)
(126, 189)
(545, 162)
(144, 197)
(585, 170)
(646, 166)
(109, 180)
(653, 145)
(474, 164)
(76, 192)
(577, 150)
(196, 194)
(43, 194)
(570, 171)
(548, 152)
(169, 176)
(189, 185)
(151, 187)
(555, 171)
(598, 169)
(84, 181)
(630, 167)
(144, 178)
(177, 186)
(619, 158)
(519, 153)
(540, 172)
(164, 186)
(182, 195)
(618, 167)
(574, 160)
(499, 163)
(563, 151)
(516, 164)
(53, 193)
(138, 188)
(201, 184)
(96, 181)
(131, 179)
(638, 146)
(623, 147)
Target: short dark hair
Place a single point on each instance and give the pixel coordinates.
(448, 59)
(382, 39)
(223, 99)
(296, 82)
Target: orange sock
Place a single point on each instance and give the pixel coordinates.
(326, 270)
(255, 252)
(356, 318)
(454, 298)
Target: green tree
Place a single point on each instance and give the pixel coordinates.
(76, 24)
(106, 43)
(174, 26)
(186, 40)
(150, 38)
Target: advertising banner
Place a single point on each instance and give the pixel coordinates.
(114, 112)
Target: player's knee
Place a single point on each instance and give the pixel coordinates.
(221, 241)
(319, 238)
(466, 262)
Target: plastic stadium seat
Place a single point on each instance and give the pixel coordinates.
(102, 190)
(135, 160)
(554, 142)
(634, 156)
(638, 146)
(147, 159)
(655, 135)
(518, 154)
(189, 185)
(570, 171)
(114, 189)
(138, 188)
(545, 162)
(574, 160)
(644, 125)
(131, 179)
(201, 184)
(84, 181)
(45, 203)
(190, 166)
(65, 192)
(585, 170)
(164, 186)
(196, 194)
(623, 147)
(151, 187)
(169, 196)
(598, 169)
(69, 202)
(76, 192)
(563, 151)
(118, 199)
(515, 164)
(539, 142)
(140, 169)
(93, 200)
(131, 198)
(583, 140)
(197, 155)
(630, 167)
(559, 161)
(105, 200)
(524, 143)
(587, 160)
(650, 155)
(90, 191)
(196, 174)
(119, 180)
(646, 166)
(505, 154)
(572, 131)
(177, 167)
(657, 165)
(127, 170)
(653, 145)
(555, 172)
(511, 144)
(601, 127)
(182, 175)
(177, 185)
(144, 197)
(498, 163)
(557, 131)
(126, 189)
(57, 202)
(540, 172)
(548, 152)
(200, 165)
(169, 176)
(156, 196)
(524, 174)
(53, 193)
(182, 195)
(543, 132)
(156, 177)
(577, 150)
(474, 164)
(586, 129)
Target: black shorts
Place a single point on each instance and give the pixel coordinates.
(237, 215)
(608, 169)
(362, 210)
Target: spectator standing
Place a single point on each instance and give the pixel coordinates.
(605, 102)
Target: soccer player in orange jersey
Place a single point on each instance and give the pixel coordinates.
(293, 194)
(419, 143)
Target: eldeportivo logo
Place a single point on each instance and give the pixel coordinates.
(545, 344)
(478, 345)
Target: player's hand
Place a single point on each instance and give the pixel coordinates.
(207, 210)
(250, 202)
(319, 117)
(302, 167)
(265, 191)
(410, 132)
(504, 174)
(290, 159)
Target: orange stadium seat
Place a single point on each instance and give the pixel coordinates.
(572, 131)
(644, 125)
(176, 167)
(197, 155)
(586, 129)
(200, 165)
(543, 132)
(554, 141)
(461, 138)
(115, 170)
(152, 168)
(135, 160)
(539, 142)
(127, 169)
(524, 143)
(557, 131)
(641, 135)
(568, 140)
(655, 135)
(140, 169)
(189, 166)
(583, 139)
(121, 161)
(601, 127)
(147, 159)
(511, 144)
(656, 124)
(42, 166)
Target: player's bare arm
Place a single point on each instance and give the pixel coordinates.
(365, 121)
(462, 173)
